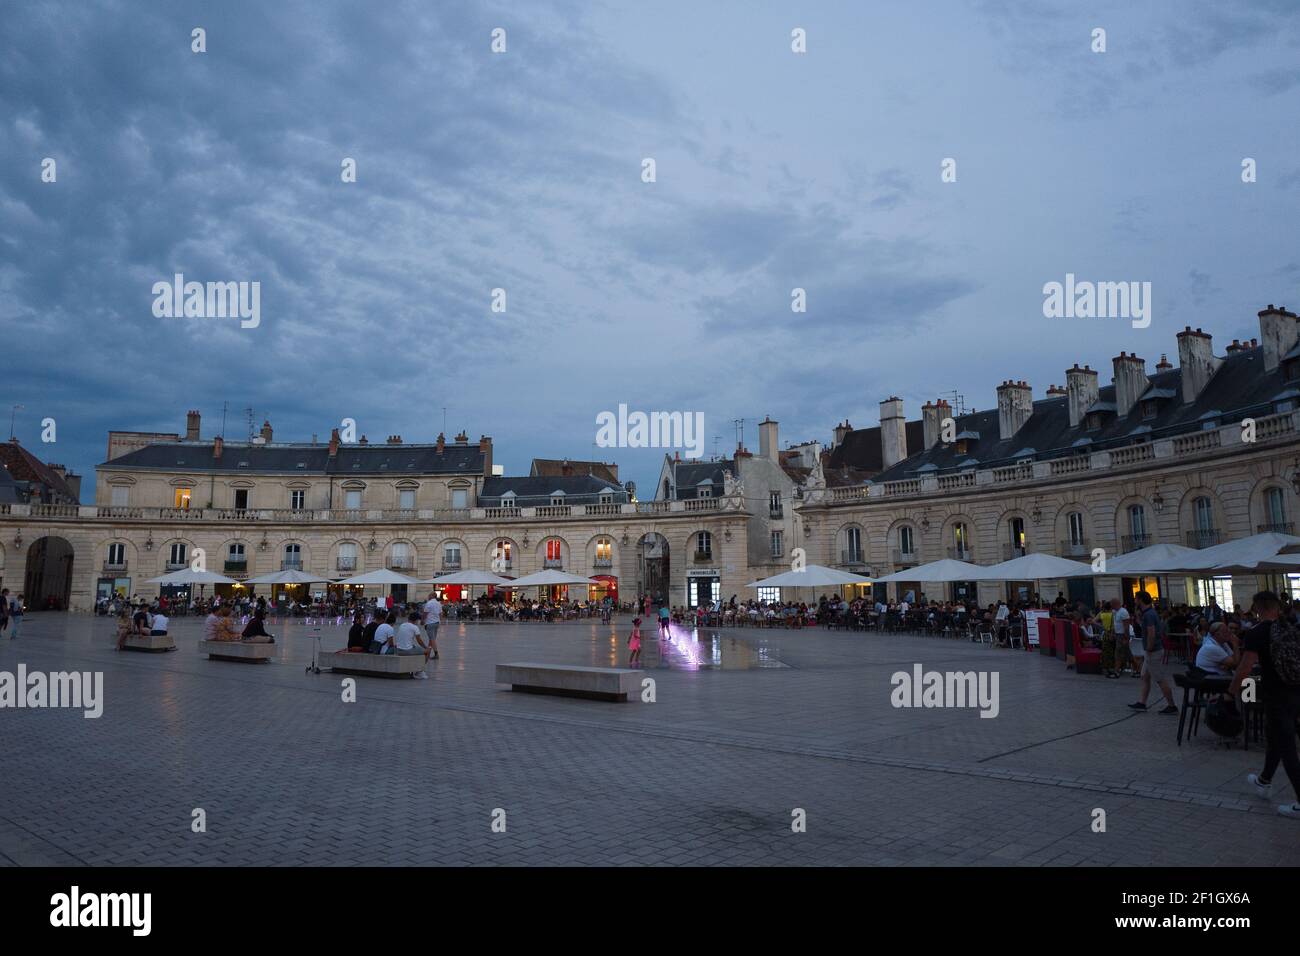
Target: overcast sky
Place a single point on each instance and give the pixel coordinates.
(522, 171)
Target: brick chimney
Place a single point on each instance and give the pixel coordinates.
(1056, 391)
(841, 431)
(1081, 390)
(1130, 382)
(1197, 361)
(442, 442)
(334, 443)
(266, 432)
(485, 449)
(462, 439)
(217, 444)
(364, 440)
(768, 445)
(1015, 406)
(932, 416)
(192, 426)
(1279, 333)
(1164, 364)
(394, 439)
(893, 431)
(566, 468)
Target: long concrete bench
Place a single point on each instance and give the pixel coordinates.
(373, 665)
(567, 680)
(153, 643)
(242, 651)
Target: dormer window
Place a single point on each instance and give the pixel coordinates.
(961, 447)
(1149, 409)
(1093, 422)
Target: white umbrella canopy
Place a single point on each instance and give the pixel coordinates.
(1034, 567)
(190, 576)
(471, 577)
(378, 577)
(288, 576)
(1155, 559)
(812, 576)
(1244, 554)
(544, 579)
(947, 569)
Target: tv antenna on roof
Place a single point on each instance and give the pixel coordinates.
(958, 402)
(249, 412)
(740, 432)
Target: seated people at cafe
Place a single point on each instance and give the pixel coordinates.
(1218, 654)
(255, 631)
(358, 640)
(382, 642)
(158, 626)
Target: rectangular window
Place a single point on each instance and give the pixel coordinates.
(853, 544)
(1017, 532)
(117, 555)
(352, 500)
(121, 496)
(297, 500)
(460, 498)
(905, 540)
(1276, 502)
(406, 499)
(553, 549)
(704, 543)
(241, 499)
(178, 552)
(1137, 521)
(1076, 527)
(777, 549)
(451, 554)
(770, 595)
(604, 549)
(236, 552)
(182, 499)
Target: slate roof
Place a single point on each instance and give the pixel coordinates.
(537, 489)
(1239, 388)
(555, 466)
(861, 454)
(302, 458)
(33, 479)
(691, 474)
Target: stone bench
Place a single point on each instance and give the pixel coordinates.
(373, 665)
(153, 643)
(567, 680)
(242, 651)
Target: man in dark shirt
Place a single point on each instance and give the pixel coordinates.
(1281, 702)
(368, 632)
(357, 638)
(1154, 670)
(140, 621)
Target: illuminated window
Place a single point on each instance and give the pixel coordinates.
(1017, 528)
(604, 549)
(183, 498)
(554, 549)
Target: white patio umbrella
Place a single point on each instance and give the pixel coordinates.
(470, 577)
(545, 578)
(379, 576)
(1156, 559)
(812, 576)
(288, 576)
(945, 570)
(1244, 554)
(1035, 567)
(190, 576)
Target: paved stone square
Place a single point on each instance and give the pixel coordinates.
(710, 773)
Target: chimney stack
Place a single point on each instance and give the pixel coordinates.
(462, 439)
(566, 469)
(192, 426)
(394, 439)
(1081, 391)
(1056, 391)
(932, 416)
(364, 440)
(1197, 360)
(893, 431)
(266, 432)
(1164, 364)
(442, 442)
(217, 444)
(1279, 333)
(841, 430)
(1015, 405)
(334, 443)
(1130, 382)
(767, 440)
(485, 449)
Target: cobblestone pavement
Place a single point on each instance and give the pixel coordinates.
(710, 773)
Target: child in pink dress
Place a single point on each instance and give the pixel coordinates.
(634, 642)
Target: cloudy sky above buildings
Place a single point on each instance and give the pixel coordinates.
(523, 171)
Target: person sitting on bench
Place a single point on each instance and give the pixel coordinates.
(255, 630)
(384, 633)
(357, 639)
(158, 627)
(217, 626)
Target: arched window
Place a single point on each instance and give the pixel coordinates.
(292, 557)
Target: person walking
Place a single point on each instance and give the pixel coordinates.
(634, 644)
(432, 618)
(1273, 643)
(4, 608)
(1154, 671)
(15, 617)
